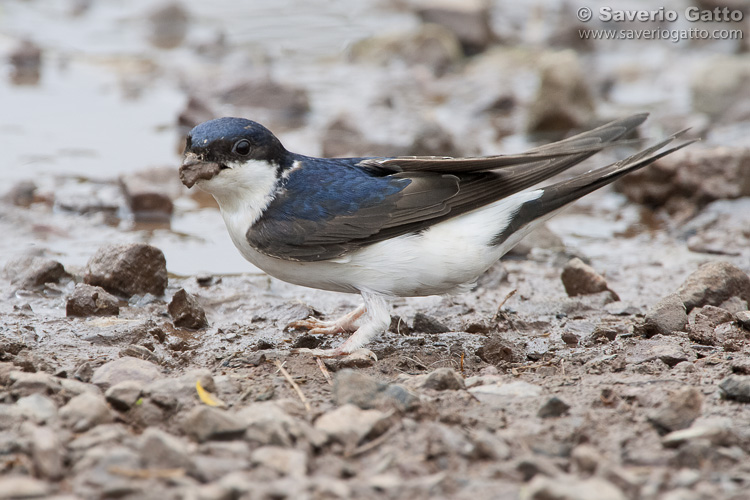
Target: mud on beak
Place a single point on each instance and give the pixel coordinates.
(194, 169)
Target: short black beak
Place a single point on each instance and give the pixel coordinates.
(194, 169)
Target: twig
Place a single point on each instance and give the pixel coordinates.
(293, 384)
(324, 370)
(374, 443)
(502, 303)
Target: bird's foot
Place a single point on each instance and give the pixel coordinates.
(344, 324)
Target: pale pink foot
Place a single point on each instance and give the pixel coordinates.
(344, 324)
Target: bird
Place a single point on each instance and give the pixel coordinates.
(386, 227)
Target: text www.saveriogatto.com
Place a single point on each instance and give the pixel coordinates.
(662, 15)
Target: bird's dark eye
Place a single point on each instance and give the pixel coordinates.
(242, 147)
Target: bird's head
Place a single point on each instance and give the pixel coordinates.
(230, 156)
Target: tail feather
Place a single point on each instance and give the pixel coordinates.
(560, 194)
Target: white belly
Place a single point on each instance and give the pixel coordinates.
(443, 259)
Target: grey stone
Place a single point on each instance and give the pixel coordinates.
(563, 100)
(564, 487)
(161, 450)
(288, 462)
(510, 391)
(47, 453)
(269, 424)
(713, 283)
(668, 353)
(666, 316)
(468, 20)
(177, 392)
(553, 407)
(95, 474)
(581, 279)
(23, 383)
(87, 300)
(354, 387)
(123, 369)
(744, 319)
(14, 487)
(718, 435)
(680, 410)
(128, 269)
(444, 379)
(85, 411)
(186, 312)
(32, 272)
(585, 460)
(40, 409)
(350, 425)
(703, 323)
(736, 387)
(204, 423)
(361, 358)
(124, 395)
(719, 84)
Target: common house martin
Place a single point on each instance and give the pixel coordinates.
(387, 227)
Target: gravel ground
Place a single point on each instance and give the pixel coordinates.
(605, 358)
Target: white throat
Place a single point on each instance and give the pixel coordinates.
(243, 192)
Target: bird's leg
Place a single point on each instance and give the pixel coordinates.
(344, 324)
(377, 322)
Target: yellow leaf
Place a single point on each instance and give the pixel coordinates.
(206, 396)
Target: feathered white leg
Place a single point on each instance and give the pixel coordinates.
(345, 324)
(377, 322)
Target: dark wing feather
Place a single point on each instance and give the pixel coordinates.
(330, 207)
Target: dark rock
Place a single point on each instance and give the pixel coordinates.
(26, 60)
(124, 395)
(149, 193)
(123, 369)
(444, 379)
(427, 324)
(168, 26)
(569, 338)
(666, 316)
(680, 410)
(306, 341)
(22, 194)
(690, 179)
(469, 21)
(288, 103)
(354, 387)
(554, 407)
(581, 279)
(186, 312)
(87, 300)
(33, 272)
(399, 325)
(563, 100)
(736, 387)
(204, 423)
(497, 350)
(713, 283)
(128, 269)
(85, 411)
